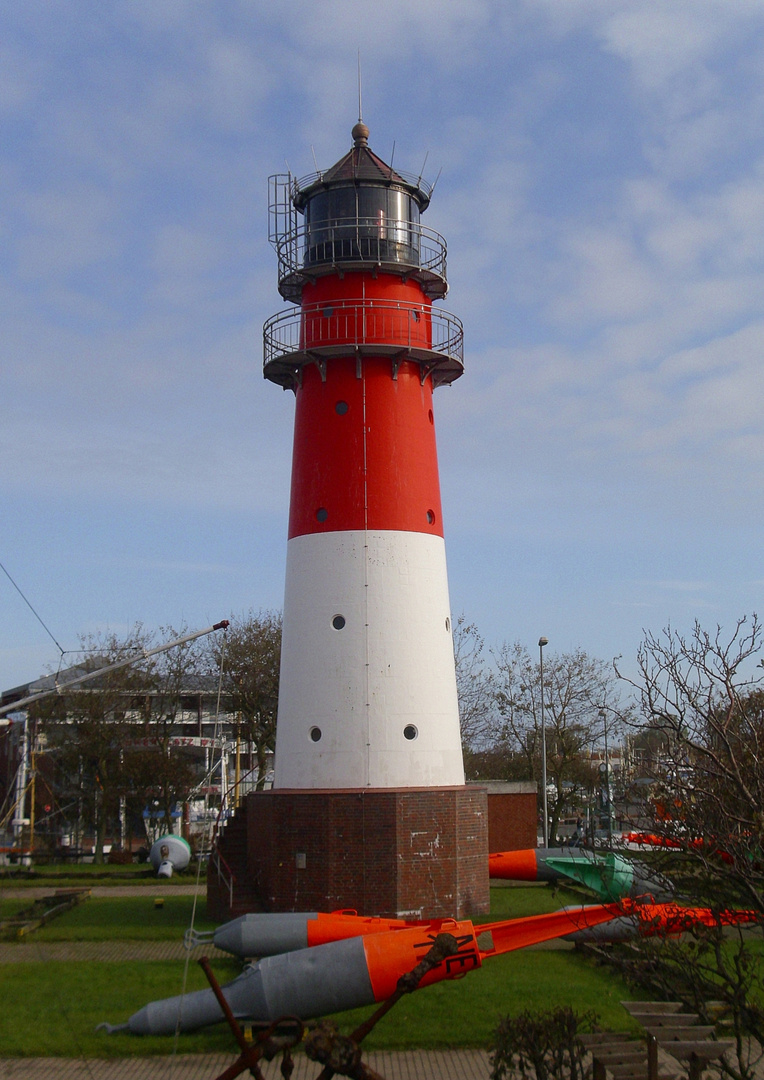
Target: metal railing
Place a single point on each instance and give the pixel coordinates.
(426, 334)
(225, 874)
(307, 250)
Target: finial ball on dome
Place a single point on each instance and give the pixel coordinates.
(360, 134)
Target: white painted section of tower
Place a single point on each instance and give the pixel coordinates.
(390, 667)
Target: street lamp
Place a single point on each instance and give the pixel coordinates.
(542, 642)
(603, 717)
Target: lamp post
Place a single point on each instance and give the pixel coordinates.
(603, 716)
(542, 642)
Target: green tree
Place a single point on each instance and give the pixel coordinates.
(88, 728)
(159, 771)
(113, 740)
(250, 657)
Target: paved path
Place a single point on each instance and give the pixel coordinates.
(405, 1065)
(153, 888)
(42, 952)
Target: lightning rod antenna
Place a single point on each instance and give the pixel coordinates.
(360, 110)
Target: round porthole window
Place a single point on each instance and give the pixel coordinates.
(322, 513)
(429, 416)
(315, 734)
(338, 622)
(341, 408)
(448, 624)
(430, 517)
(410, 732)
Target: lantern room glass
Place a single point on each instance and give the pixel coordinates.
(366, 223)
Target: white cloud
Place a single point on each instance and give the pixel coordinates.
(64, 231)
(142, 464)
(667, 40)
(396, 27)
(603, 202)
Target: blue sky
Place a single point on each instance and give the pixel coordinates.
(602, 195)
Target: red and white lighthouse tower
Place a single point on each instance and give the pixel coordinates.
(367, 705)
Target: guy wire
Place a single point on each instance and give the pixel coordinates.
(42, 624)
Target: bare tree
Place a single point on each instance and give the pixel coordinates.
(702, 705)
(473, 686)
(580, 696)
(703, 694)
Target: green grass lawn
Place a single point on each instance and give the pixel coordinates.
(11, 905)
(53, 1008)
(118, 918)
(69, 876)
(70, 1000)
(466, 1012)
(137, 918)
(517, 901)
(126, 918)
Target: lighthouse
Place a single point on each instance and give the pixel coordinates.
(368, 691)
(369, 807)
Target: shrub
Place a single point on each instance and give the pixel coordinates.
(118, 857)
(545, 1044)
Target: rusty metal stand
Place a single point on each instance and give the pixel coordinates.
(267, 1046)
(339, 1054)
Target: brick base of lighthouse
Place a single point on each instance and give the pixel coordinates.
(418, 852)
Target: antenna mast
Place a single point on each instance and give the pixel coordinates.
(360, 110)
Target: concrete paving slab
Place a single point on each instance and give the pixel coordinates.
(404, 1065)
(151, 888)
(43, 952)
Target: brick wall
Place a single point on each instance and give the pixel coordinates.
(512, 814)
(419, 852)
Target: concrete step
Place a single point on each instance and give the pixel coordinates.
(667, 1034)
(637, 1008)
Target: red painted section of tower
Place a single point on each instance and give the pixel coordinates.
(388, 426)
(337, 310)
(364, 453)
